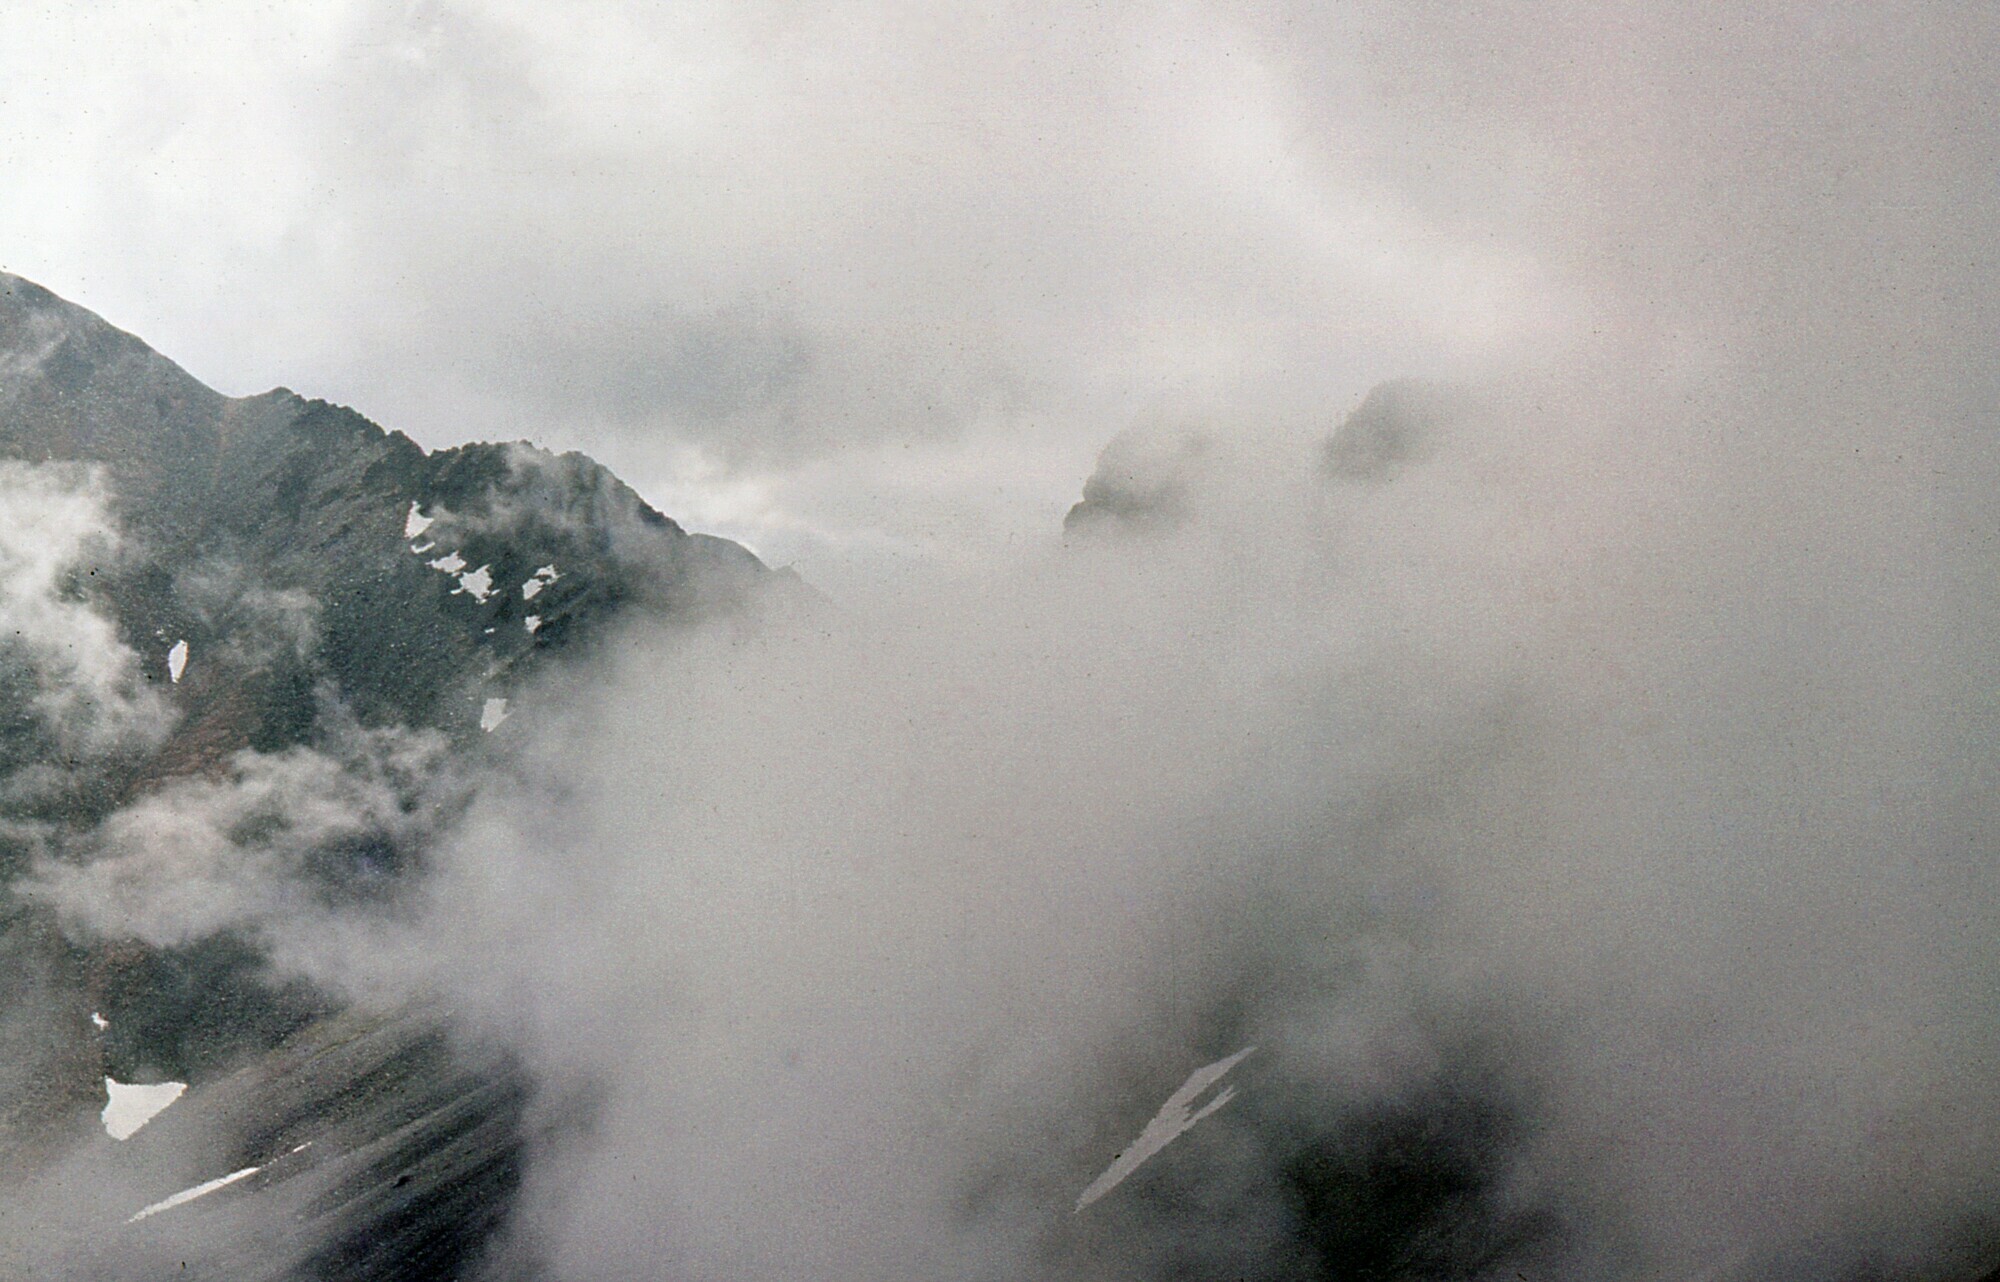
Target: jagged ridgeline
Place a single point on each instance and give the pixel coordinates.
(201, 587)
(280, 497)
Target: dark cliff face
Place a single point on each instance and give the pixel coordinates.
(281, 576)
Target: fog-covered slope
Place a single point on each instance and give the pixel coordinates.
(1426, 772)
(266, 626)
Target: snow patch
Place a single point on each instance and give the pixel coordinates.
(131, 1106)
(537, 581)
(177, 661)
(533, 623)
(479, 583)
(416, 522)
(492, 715)
(421, 548)
(199, 1190)
(450, 564)
(1170, 1123)
(101, 1023)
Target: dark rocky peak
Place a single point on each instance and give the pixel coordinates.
(1144, 480)
(1157, 477)
(290, 543)
(74, 387)
(1395, 427)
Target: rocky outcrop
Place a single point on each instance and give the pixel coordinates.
(372, 1145)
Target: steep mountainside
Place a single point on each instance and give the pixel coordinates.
(201, 591)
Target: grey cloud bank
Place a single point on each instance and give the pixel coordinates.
(1518, 820)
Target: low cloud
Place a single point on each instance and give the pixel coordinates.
(78, 693)
(1511, 817)
(296, 849)
(251, 626)
(745, 246)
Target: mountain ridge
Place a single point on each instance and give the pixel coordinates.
(259, 585)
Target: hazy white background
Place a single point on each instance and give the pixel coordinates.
(859, 284)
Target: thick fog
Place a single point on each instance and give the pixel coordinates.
(1595, 782)
(1661, 829)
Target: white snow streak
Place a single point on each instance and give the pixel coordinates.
(539, 580)
(1172, 1121)
(199, 1190)
(132, 1106)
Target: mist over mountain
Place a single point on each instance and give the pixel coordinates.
(261, 641)
(1492, 779)
(501, 866)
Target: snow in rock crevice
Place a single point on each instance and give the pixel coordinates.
(203, 1189)
(478, 584)
(177, 659)
(132, 1105)
(1169, 1124)
(415, 523)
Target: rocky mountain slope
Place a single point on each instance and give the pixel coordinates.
(202, 592)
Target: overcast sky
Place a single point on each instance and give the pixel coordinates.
(857, 283)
